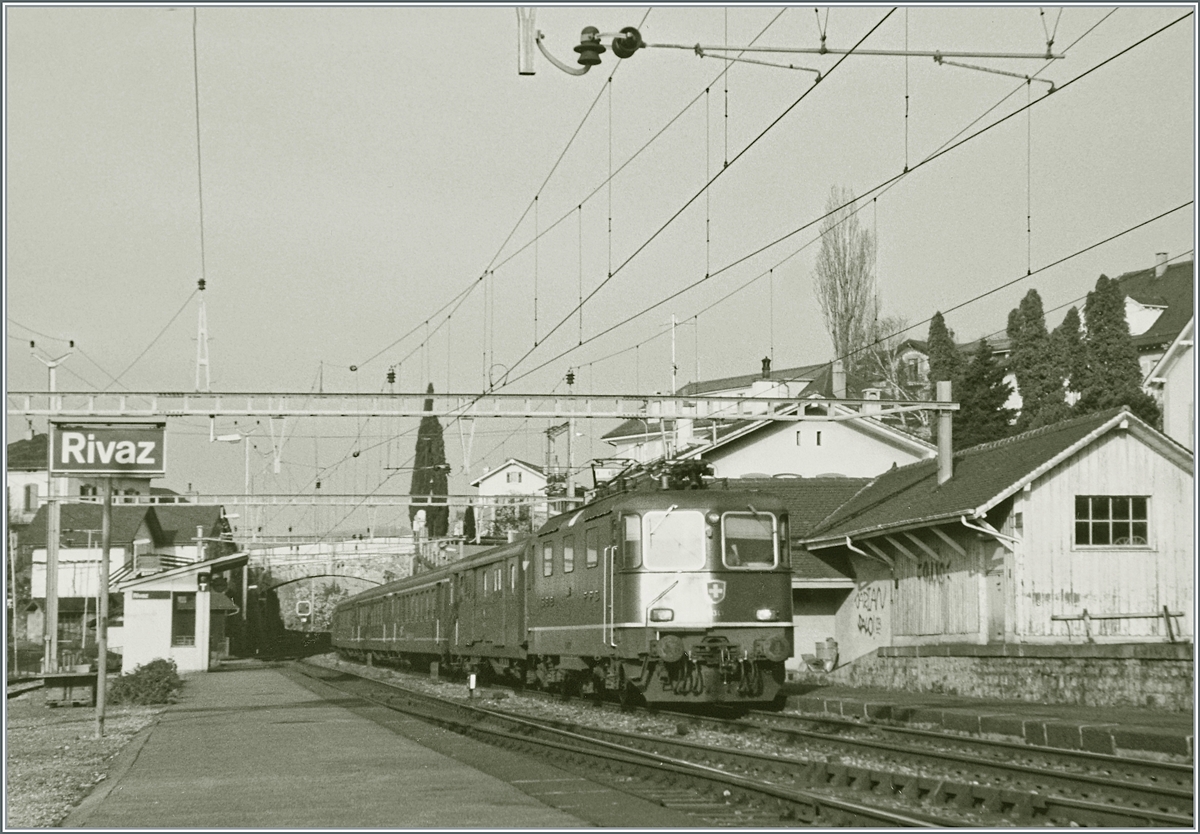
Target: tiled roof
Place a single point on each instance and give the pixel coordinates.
(1175, 289)
(76, 519)
(822, 385)
(30, 455)
(808, 500)
(911, 494)
(179, 522)
(730, 383)
(820, 566)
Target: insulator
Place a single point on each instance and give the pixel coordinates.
(391, 375)
(629, 41)
(570, 377)
(590, 48)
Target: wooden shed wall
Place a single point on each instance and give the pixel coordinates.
(937, 591)
(1056, 577)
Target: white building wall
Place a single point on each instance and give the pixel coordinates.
(1179, 399)
(147, 630)
(1056, 577)
(795, 448)
(78, 570)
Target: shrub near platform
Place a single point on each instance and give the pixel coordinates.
(156, 682)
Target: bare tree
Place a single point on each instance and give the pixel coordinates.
(844, 279)
(884, 366)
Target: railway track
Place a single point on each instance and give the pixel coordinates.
(710, 794)
(965, 780)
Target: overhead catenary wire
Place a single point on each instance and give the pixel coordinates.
(948, 147)
(709, 183)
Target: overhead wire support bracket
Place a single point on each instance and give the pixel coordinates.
(700, 52)
(938, 59)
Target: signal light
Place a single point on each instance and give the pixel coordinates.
(627, 43)
(590, 48)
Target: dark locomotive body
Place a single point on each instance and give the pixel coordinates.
(672, 596)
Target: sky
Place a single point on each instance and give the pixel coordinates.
(360, 168)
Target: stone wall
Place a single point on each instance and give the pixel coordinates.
(1127, 675)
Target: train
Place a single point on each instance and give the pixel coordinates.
(655, 596)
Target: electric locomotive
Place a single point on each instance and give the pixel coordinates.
(664, 596)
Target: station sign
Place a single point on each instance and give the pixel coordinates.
(108, 448)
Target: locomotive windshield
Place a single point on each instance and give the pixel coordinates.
(674, 539)
(748, 540)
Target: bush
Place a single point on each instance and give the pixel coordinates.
(156, 682)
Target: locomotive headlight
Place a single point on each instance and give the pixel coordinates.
(661, 615)
(765, 614)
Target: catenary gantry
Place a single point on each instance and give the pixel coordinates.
(103, 405)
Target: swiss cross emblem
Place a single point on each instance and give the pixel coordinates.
(716, 590)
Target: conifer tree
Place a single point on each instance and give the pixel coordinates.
(1113, 375)
(430, 472)
(982, 417)
(469, 524)
(1070, 351)
(945, 361)
(1032, 362)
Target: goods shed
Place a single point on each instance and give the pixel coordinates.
(1072, 541)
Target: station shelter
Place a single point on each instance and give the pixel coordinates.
(180, 614)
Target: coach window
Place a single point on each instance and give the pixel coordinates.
(632, 544)
(548, 559)
(568, 554)
(498, 579)
(593, 555)
(512, 576)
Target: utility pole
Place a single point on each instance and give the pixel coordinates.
(571, 444)
(674, 367)
(102, 614)
(202, 344)
(53, 530)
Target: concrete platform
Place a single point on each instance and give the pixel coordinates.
(250, 748)
(1134, 732)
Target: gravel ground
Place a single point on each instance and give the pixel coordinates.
(54, 758)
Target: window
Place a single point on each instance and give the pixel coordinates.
(568, 554)
(499, 583)
(87, 490)
(674, 539)
(632, 548)
(797, 438)
(818, 438)
(513, 477)
(183, 619)
(748, 540)
(593, 555)
(512, 576)
(1111, 520)
(31, 498)
(547, 559)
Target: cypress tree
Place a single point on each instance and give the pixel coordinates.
(430, 472)
(469, 524)
(945, 361)
(1112, 374)
(982, 417)
(1070, 352)
(1032, 361)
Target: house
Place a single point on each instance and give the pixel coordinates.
(143, 540)
(833, 442)
(510, 479)
(1172, 381)
(1060, 539)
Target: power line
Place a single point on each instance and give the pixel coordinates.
(880, 187)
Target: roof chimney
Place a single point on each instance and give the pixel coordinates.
(766, 362)
(839, 380)
(1161, 266)
(945, 445)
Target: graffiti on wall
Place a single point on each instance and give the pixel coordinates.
(869, 604)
